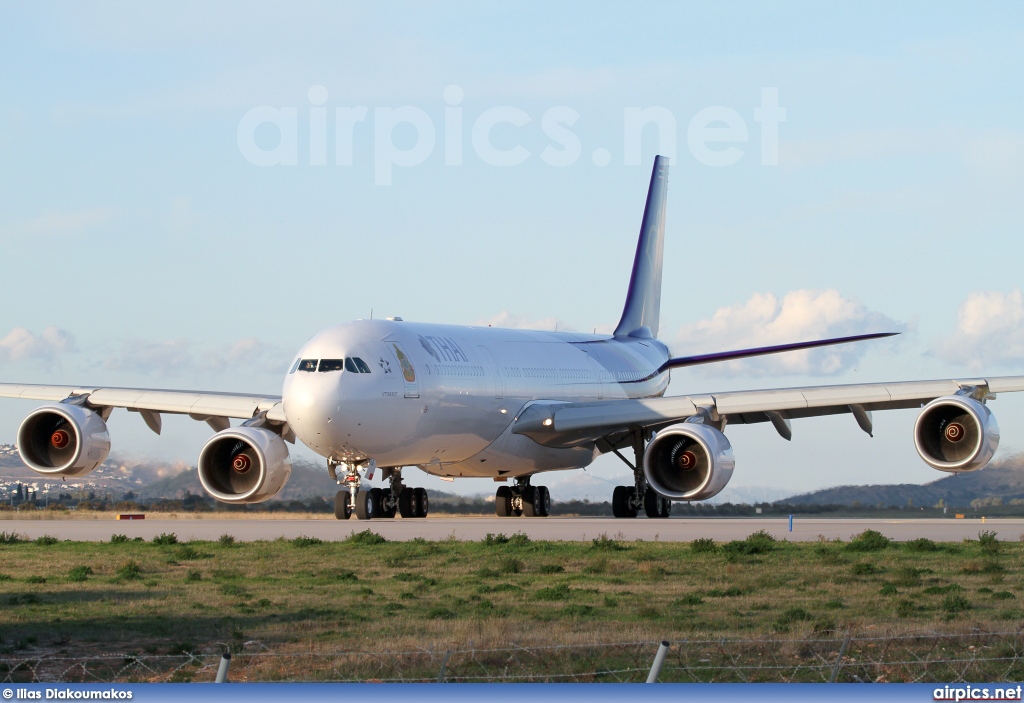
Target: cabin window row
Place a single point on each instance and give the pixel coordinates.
(453, 370)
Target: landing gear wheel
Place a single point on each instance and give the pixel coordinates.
(377, 495)
(622, 501)
(503, 501)
(387, 505)
(342, 509)
(655, 506)
(365, 507)
(529, 507)
(406, 503)
(420, 501)
(544, 501)
(666, 505)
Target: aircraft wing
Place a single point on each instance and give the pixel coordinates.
(568, 424)
(214, 408)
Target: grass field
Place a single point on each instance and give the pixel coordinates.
(363, 593)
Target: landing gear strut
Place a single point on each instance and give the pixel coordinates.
(522, 499)
(627, 501)
(371, 503)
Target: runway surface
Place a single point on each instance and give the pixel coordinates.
(552, 528)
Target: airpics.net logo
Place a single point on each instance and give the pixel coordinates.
(716, 136)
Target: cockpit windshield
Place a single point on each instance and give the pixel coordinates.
(352, 364)
(331, 365)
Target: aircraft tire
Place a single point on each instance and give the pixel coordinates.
(666, 507)
(421, 501)
(342, 509)
(503, 501)
(376, 495)
(620, 501)
(530, 501)
(654, 504)
(365, 506)
(406, 505)
(544, 501)
(387, 507)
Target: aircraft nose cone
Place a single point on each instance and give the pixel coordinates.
(311, 404)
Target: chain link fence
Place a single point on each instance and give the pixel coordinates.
(926, 657)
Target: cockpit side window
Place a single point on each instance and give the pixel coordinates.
(307, 365)
(361, 365)
(295, 366)
(350, 365)
(331, 365)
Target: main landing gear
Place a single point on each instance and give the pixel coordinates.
(522, 499)
(371, 503)
(627, 501)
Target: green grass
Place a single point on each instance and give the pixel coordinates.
(364, 592)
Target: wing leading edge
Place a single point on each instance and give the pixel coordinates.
(569, 424)
(215, 408)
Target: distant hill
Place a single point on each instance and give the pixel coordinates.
(307, 481)
(999, 484)
(1002, 483)
(9, 457)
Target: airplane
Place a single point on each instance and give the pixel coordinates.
(508, 404)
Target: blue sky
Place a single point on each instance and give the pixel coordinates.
(141, 246)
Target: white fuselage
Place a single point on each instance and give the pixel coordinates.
(443, 397)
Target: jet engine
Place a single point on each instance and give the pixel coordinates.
(63, 440)
(688, 461)
(956, 434)
(244, 465)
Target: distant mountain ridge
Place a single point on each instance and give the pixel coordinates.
(1002, 483)
(999, 484)
(307, 481)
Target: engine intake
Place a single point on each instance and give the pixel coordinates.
(63, 440)
(244, 465)
(956, 434)
(688, 461)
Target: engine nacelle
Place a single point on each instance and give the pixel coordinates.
(688, 461)
(244, 465)
(63, 440)
(956, 434)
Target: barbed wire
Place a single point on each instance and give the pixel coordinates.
(942, 657)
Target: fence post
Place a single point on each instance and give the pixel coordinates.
(222, 670)
(444, 665)
(839, 661)
(659, 659)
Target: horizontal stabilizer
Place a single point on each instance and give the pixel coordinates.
(681, 361)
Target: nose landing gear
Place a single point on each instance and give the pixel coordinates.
(522, 499)
(368, 504)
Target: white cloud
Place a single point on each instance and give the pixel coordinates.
(989, 331)
(801, 315)
(21, 345)
(167, 358)
(250, 354)
(60, 223)
(177, 357)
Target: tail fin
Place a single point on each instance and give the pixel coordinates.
(643, 301)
